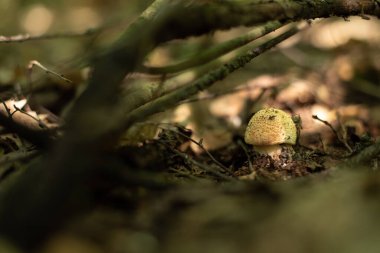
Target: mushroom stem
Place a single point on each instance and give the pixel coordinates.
(272, 150)
(275, 151)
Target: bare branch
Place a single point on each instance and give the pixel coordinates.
(48, 71)
(26, 37)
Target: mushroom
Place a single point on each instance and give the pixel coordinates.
(270, 128)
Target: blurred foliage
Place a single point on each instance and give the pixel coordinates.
(47, 17)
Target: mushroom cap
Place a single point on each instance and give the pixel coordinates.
(270, 127)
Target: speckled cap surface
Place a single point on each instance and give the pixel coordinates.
(269, 127)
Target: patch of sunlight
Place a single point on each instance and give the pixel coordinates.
(82, 18)
(321, 112)
(339, 32)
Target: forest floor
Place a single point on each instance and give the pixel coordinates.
(185, 180)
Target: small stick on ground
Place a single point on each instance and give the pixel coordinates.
(204, 167)
(17, 156)
(341, 140)
(6, 109)
(365, 155)
(250, 166)
(40, 123)
(48, 71)
(199, 143)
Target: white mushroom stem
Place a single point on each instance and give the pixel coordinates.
(272, 150)
(275, 151)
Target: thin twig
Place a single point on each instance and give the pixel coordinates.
(41, 138)
(198, 164)
(344, 133)
(36, 63)
(17, 156)
(250, 166)
(27, 37)
(40, 123)
(183, 173)
(6, 108)
(327, 124)
(363, 156)
(201, 146)
(341, 140)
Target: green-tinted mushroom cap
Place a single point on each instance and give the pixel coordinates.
(271, 127)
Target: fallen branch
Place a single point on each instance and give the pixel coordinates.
(365, 155)
(171, 99)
